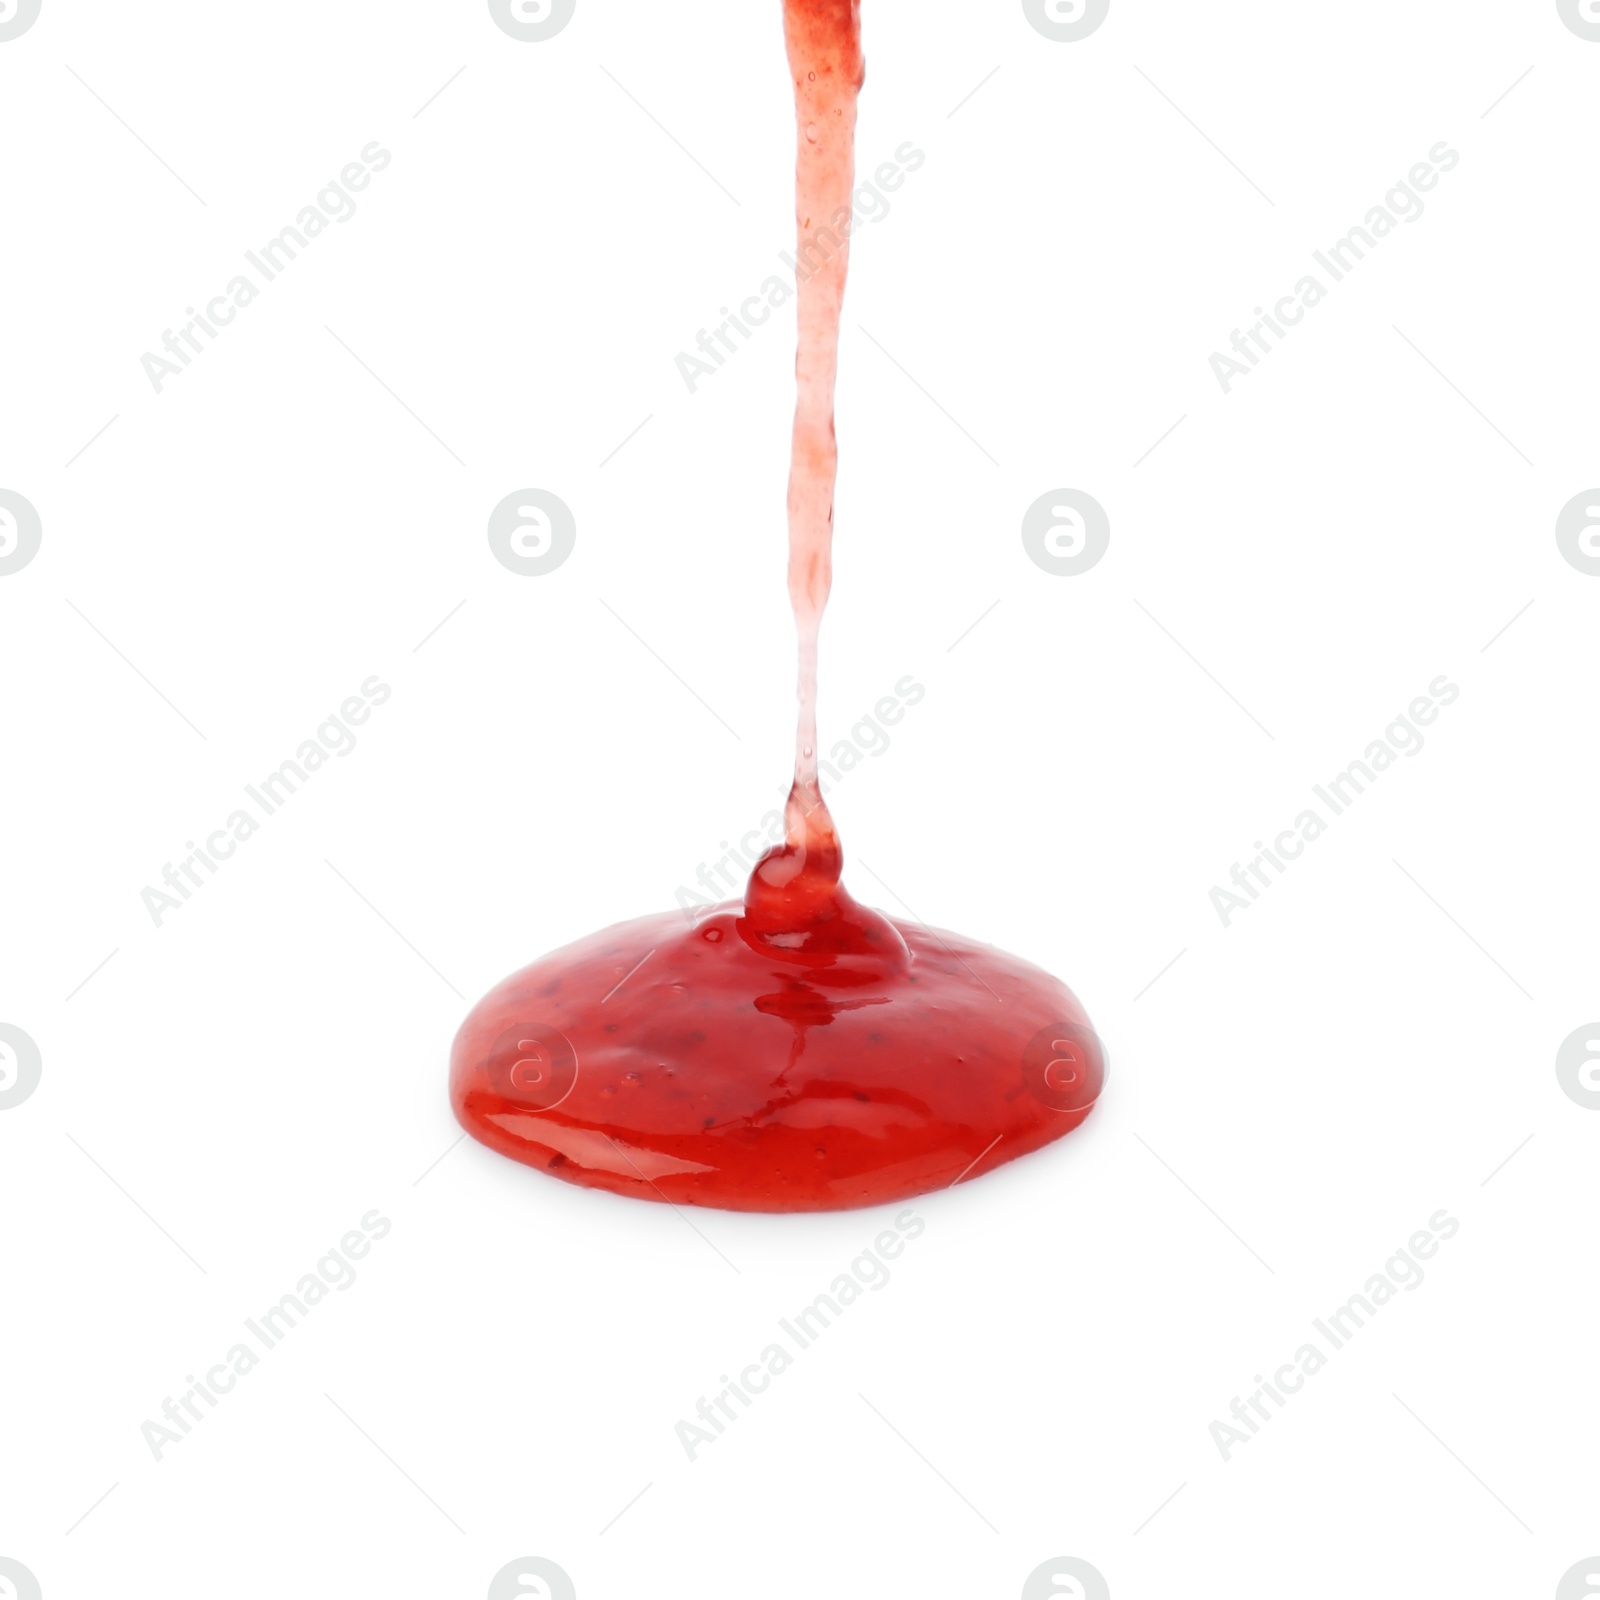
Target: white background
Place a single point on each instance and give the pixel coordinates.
(1289, 1101)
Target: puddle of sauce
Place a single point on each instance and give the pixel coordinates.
(800, 1052)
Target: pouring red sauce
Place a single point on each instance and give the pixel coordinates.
(801, 1051)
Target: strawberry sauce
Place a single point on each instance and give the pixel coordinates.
(798, 1052)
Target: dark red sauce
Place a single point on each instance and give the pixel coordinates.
(801, 1052)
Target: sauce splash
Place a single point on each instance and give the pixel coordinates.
(801, 1052)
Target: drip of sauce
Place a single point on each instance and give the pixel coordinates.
(800, 1052)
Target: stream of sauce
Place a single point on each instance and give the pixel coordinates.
(801, 1051)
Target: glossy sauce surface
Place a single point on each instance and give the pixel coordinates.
(800, 1052)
